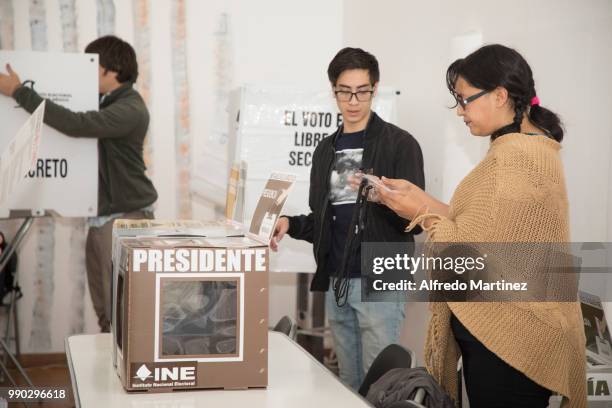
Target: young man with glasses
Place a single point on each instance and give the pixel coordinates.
(360, 329)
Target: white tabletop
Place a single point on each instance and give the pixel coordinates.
(296, 379)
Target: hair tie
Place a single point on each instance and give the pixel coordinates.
(535, 101)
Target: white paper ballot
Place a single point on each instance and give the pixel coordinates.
(21, 154)
(270, 205)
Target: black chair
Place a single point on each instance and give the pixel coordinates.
(393, 356)
(287, 326)
(396, 356)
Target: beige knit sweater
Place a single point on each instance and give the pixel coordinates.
(516, 194)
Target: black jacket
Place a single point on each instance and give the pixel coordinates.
(120, 126)
(390, 152)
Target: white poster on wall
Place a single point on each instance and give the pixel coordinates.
(279, 129)
(64, 178)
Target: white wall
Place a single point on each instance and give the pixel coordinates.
(264, 43)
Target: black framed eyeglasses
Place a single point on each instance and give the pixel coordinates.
(464, 101)
(346, 96)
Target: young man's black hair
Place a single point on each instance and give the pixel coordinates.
(115, 55)
(353, 58)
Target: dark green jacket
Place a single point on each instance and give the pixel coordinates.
(120, 127)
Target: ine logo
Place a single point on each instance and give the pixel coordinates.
(143, 373)
(164, 375)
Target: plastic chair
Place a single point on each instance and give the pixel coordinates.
(287, 326)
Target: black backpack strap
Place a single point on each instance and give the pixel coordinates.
(341, 282)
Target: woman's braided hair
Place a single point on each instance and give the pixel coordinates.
(495, 66)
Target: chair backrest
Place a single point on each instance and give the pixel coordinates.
(393, 356)
(287, 326)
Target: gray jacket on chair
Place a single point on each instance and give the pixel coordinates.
(402, 384)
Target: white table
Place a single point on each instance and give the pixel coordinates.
(296, 379)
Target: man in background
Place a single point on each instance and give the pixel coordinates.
(120, 125)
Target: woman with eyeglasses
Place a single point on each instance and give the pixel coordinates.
(515, 354)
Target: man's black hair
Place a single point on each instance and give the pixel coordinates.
(116, 55)
(353, 58)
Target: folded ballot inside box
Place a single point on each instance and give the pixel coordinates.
(190, 299)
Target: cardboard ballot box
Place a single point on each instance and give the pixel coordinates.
(190, 300)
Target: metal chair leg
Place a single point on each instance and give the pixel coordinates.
(16, 330)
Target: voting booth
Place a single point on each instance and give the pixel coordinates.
(65, 165)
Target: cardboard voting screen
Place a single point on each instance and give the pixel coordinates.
(64, 178)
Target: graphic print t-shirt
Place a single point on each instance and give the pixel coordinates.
(349, 153)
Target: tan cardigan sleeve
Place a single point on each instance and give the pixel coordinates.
(471, 208)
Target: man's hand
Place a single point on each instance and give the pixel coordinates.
(282, 226)
(354, 182)
(9, 83)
